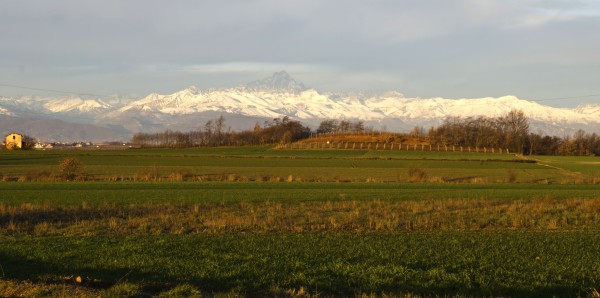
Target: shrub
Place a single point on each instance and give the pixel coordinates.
(71, 169)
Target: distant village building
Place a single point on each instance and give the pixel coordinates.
(13, 141)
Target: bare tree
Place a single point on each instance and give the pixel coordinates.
(516, 126)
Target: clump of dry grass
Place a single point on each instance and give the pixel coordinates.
(511, 176)
(416, 174)
(177, 176)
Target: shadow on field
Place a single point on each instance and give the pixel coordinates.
(23, 268)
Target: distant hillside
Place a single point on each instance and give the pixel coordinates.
(58, 130)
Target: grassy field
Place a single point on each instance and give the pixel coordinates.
(465, 263)
(255, 221)
(264, 163)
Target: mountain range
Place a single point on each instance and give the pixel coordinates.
(78, 118)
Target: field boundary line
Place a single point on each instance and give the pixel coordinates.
(567, 172)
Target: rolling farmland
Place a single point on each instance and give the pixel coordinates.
(258, 221)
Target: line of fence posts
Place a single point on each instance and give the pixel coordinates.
(391, 146)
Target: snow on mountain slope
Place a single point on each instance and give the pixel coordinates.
(279, 96)
(76, 104)
(310, 105)
(54, 105)
(278, 82)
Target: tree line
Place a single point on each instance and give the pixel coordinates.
(215, 133)
(511, 132)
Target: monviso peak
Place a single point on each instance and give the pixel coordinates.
(278, 82)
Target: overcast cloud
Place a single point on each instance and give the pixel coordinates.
(449, 48)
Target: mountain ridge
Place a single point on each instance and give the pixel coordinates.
(280, 95)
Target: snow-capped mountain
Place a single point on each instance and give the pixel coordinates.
(279, 96)
(278, 82)
(71, 105)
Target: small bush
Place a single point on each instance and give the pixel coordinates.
(71, 169)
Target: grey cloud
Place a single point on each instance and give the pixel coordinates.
(451, 48)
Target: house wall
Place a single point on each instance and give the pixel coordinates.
(14, 141)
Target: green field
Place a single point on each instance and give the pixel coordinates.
(467, 263)
(264, 163)
(254, 221)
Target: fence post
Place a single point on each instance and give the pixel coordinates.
(376, 146)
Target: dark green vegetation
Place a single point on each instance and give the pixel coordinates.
(469, 263)
(257, 221)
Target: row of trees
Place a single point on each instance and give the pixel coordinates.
(512, 132)
(342, 126)
(215, 133)
(580, 143)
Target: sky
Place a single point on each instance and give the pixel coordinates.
(546, 50)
